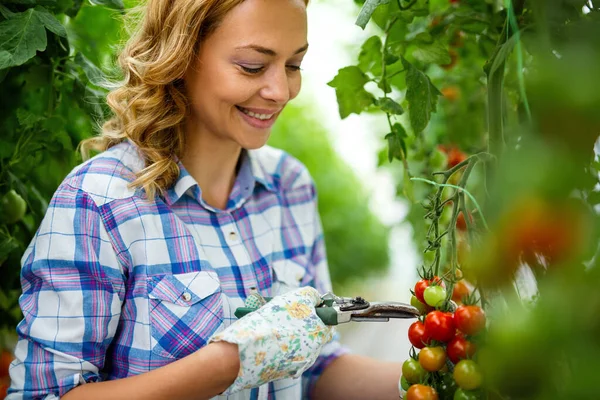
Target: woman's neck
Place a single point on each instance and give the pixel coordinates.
(212, 163)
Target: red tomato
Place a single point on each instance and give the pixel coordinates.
(421, 392)
(420, 289)
(469, 319)
(440, 326)
(460, 348)
(461, 289)
(6, 358)
(417, 335)
(432, 358)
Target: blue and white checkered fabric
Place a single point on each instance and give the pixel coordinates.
(115, 285)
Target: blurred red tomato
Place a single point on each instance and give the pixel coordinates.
(452, 92)
(455, 155)
(535, 230)
(461, 289)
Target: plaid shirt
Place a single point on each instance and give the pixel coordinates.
(115, 285)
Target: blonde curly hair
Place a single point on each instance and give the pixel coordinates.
(150, 104)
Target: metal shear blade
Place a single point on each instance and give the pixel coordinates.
(383, 311)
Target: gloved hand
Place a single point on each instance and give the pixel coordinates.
(282, 339)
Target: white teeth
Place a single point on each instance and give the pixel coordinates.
(258, 116)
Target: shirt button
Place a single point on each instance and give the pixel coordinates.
(233, 236)
(186, 296)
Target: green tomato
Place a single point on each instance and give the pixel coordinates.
(461, 394)
(423, 309)
(412, 371)
(12, 207)
(434, 295)
(467, 375)
(404, 385)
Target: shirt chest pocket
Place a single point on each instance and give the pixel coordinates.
(185, 311)
(289, 274)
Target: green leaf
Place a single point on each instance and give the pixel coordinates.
(116, 4)
(350, 92)
(396, 142)
(424, 37)
(389, 106)
(434, 53)
(92, 72)
(50, 22)
(369, 59)
(421, 96)
(367, 10)
(20, 38)
(503, 54)
(28, 119)
(8, 244)
(6, 13)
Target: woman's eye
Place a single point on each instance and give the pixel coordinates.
(294, 67)
(252, 70)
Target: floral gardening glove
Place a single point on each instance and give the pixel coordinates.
(282, 339)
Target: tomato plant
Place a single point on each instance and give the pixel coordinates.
(519, 136)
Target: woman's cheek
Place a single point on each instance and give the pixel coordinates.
(295, 86)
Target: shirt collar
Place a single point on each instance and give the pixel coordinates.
(251, 171)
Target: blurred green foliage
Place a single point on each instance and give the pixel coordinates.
(356, 240)
(53, 98)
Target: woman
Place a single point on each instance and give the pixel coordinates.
(146, 250)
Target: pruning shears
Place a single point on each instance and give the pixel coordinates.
(336, 310)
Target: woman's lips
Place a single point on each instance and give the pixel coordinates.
(256, 122)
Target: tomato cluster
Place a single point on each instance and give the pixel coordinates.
(447, 337)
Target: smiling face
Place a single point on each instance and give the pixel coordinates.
(246, 72)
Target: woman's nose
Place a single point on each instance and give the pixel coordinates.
(276, 86)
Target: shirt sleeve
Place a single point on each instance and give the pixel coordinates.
(322, 282)
(73, 289)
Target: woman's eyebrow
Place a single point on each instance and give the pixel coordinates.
(268, 51)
